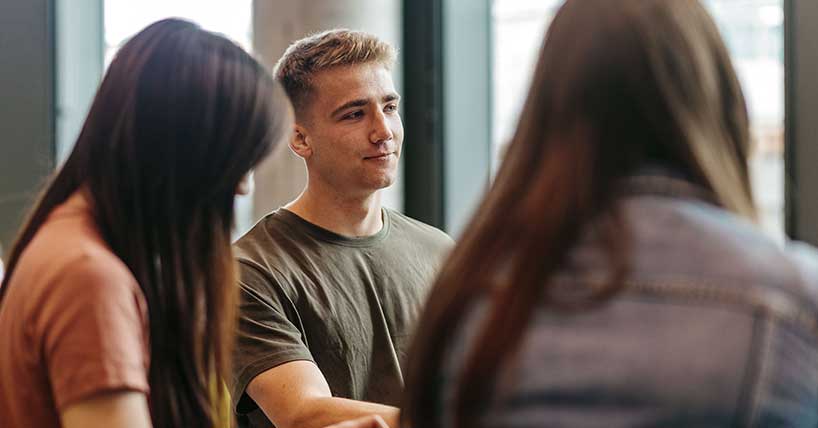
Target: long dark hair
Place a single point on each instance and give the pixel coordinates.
(619, 85)
(180, 117)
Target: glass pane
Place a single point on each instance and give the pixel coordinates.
(753, 31)
(518, 27)
(123, 18)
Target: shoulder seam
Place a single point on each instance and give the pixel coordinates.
(769, 302)
(260, 269)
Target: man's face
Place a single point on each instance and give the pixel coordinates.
(352, 128)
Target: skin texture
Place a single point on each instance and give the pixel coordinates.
(373, 421)
(350, 136)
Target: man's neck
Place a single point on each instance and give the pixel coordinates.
(348, 216)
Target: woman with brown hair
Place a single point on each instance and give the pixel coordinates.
(118, 305)
(614, 275)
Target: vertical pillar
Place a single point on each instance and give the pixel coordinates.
(27, 119)
(467, 108)
(448, 73)
(801, 119)
(80, 50)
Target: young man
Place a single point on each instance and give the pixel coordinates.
(332, 283)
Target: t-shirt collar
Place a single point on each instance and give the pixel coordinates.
(322, 234)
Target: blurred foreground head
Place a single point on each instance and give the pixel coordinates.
(619, 86)
(181, 116)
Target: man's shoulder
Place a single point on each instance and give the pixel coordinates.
(419, 231)
(279, 244)
(263, 236)
(269, 243)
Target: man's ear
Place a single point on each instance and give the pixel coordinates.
(300, 143)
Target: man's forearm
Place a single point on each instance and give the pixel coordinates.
(320, 412)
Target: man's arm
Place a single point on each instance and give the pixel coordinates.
(373, 421)
(296, 395)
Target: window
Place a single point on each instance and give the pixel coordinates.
(124, 18)
(753, 32)
(87, 39)
(518, 27)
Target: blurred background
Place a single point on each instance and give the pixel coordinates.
(463, 70)
(754, 33)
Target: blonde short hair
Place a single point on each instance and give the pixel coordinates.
(322, 51)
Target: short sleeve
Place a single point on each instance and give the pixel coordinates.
(269, 332)
(94, 333)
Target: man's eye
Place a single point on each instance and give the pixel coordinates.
(353, 115)
(391, 108)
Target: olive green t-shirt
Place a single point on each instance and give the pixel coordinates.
(347, 304)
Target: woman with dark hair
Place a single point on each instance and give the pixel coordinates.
(118, 304)
(614, 276)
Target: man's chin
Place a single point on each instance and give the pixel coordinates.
(380, 183)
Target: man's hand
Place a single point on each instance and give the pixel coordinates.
(296, 395)
(373, 421)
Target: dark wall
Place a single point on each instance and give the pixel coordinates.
(26, 106)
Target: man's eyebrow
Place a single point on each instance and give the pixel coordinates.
(354, 103)
(362, 102)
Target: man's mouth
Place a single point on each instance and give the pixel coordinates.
(383, 156)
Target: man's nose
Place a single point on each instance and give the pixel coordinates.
(380, 129)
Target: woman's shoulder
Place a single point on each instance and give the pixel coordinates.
(707, 246)
(68, 258)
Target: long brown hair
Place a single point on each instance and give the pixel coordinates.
(619, 85)
(180, 117)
